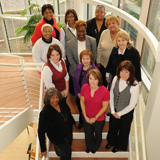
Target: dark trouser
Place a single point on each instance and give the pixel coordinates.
(102, 69)
(93, 134)
(119, 130)
(71, 86)
(64, 150)
(79, 109)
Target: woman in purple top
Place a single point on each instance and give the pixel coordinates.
(80, 77)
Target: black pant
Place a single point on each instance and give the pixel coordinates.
(79, 109)
(71, 86)
(64, 150)
(103, 72)
(93, 134)
(119, 130)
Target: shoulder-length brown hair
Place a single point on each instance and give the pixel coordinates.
(89, 53)
(97, 75)
(56, 48)
(128, 65)
(73, 12)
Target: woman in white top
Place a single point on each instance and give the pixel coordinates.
(106, 43)
(54, 72)
(123, 98)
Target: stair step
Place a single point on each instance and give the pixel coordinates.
(93, 159)
(79, 147)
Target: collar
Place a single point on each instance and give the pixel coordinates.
(46, 41)
(51, 22)
(54, 63)
(119, 53)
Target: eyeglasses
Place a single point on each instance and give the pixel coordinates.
(70, 17)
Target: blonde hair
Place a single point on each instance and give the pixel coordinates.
(125, 36)
(111, 18)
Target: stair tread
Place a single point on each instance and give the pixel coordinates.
(79, 145)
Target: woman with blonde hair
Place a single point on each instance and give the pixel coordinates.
(106, 44)
(123, 50)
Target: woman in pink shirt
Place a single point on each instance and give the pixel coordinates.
(94, 102)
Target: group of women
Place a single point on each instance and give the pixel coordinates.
(89, 56)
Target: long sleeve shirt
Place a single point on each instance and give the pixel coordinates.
(47, 74)
(134, 91)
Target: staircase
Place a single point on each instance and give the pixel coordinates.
(79, 147)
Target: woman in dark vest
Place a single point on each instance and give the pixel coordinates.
(54, 72)
(123, 98)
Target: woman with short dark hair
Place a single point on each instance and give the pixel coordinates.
(47, 13)
(56, 120)
(96, 25)
(124, 95)
(94, 102)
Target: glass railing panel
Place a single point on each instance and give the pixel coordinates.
(3, 48)
(154, 18)
(17, 44)
(133, 7)
(14, 6)
(148, 60)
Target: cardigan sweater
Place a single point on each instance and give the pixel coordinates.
(58, 77)
(77, 87)
(92, 29)
(105, 47)
(38, 33)
(66, 35)
(115, 59)
(56, 124)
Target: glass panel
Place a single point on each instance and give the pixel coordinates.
(12, 6)
(148, 60)
(16, 43)
(132, 7)
(3, 47)
(154, 20)
(145, 93)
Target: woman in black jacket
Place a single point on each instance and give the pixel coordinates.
(56, 120)
(123, 50)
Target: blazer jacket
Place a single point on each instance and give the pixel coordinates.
(72, 52)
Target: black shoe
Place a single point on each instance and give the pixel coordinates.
(108, 146)
(87, 150)
(93, 151)
(115, 149)
(80, 126)
(108, 114)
